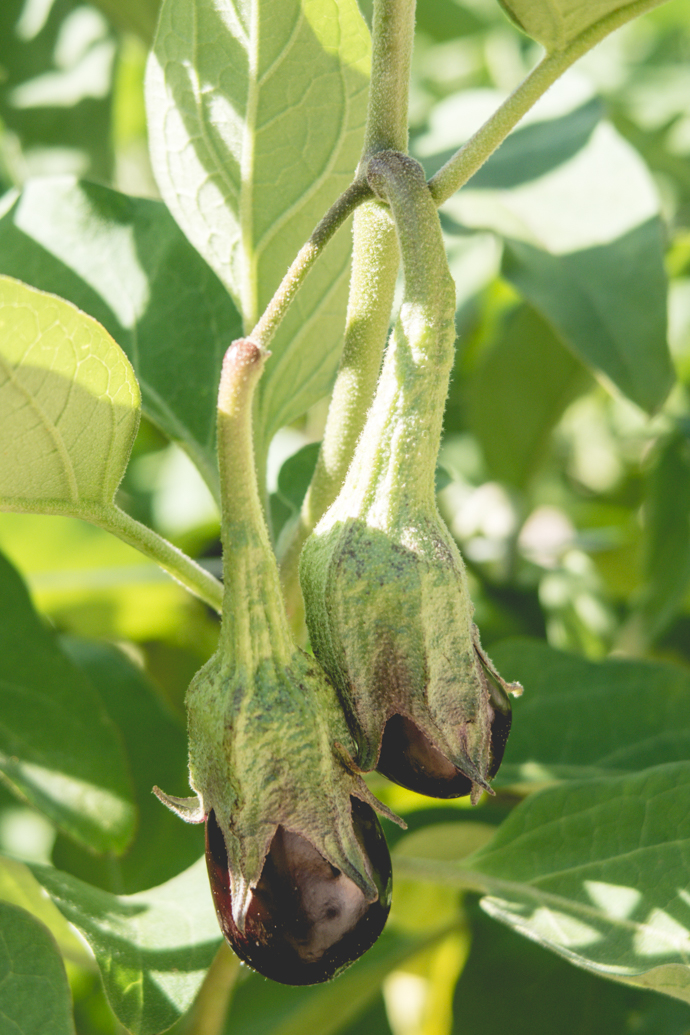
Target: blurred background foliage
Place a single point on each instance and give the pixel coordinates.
(570, 504)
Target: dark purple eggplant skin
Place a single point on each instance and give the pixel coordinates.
(410, 759)
(307, 922)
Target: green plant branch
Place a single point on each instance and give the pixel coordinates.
(392, 40)
(276, 309)
(472, 155)
(375, 261)
(207, 1015)
(110, 518)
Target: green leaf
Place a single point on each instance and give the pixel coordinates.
(19, 887)
(518, 392)
(541, 994)
(57, 746)
(57, 62)
(584, 246)
(293, 481)
(35, 997)
(152, 948)
(608, 303)
(581, 718)
(162, 846)
(556, 23)
(253, 136)
(667, 535)
(125, 262)
(70, 404)
(596, 871)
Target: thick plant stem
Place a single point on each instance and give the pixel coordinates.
(392, 39)
(419, 357)
(472, 155)
(374, 270)
(254, 625)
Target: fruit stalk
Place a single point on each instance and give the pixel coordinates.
(298, 865)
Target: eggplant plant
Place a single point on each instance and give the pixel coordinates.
(405, 332)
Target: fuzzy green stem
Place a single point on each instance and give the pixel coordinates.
(254, 624)
(276, 309)
(372, 286)
(472, 155)
(110, 518)
(392, 40)
(375, 260)
(396, 456)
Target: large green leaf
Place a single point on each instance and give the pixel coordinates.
(156, 749)
(608, 303)
(556, 23)
(520, 389)
(253, 135)
(57, 63)
(69, 403)
(541, 994)
(584, 246)
(152, 948)
(57, 746)
(583, 718)
(595, 870)
(34, 994)
(125, 262)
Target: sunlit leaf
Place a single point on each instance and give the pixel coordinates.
(57, 63)
(583, 718)
(19, 887)
(152, 948)
(595, 870)
(584, 246)
(35, 994)
(70, 404)
(542, 994)
(125, 262)
(253, 136)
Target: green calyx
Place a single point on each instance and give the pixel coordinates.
(268, 744)
(385, 588)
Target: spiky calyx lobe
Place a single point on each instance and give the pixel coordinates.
(269, 749)
(386, 596)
